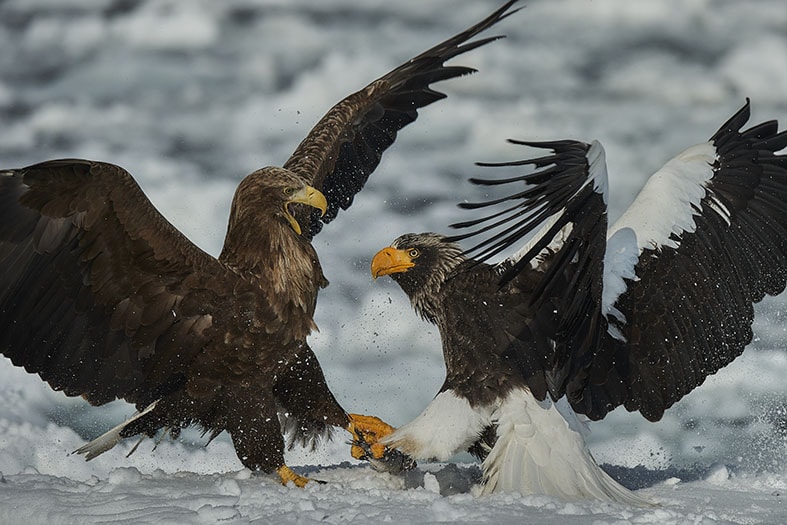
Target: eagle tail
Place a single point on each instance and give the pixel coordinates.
(111, 438)
(540, 449)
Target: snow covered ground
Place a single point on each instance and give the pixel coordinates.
(190, 96)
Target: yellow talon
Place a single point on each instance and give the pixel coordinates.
(367, 431)
(378, 450)
(286, 474)
(370, 430)
(357, 452)
(369, 425)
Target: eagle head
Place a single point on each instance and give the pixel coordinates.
(419, 263)
(274, 188)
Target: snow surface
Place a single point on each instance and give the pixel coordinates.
(196, 94)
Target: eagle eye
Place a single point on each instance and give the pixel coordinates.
(289, 191)
(414, 253)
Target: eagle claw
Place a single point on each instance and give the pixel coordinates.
(380, 457)
(287, 475)
(367, 431)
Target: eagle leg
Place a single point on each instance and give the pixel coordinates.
(287, 475)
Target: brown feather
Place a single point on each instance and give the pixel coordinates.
(346, 145)
(103, 298)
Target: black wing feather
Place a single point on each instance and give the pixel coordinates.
(346, 145)
(90, 282)
(690, 310)
(561, 192)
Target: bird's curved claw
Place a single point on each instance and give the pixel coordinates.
(390, 460)
(367, 431)
(287, 475)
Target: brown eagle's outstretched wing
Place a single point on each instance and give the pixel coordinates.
(346, 145)
(647, 310)
(99, 294)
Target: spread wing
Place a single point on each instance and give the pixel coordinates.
(564, 198)
(346, 145)
(99, 294)
(665, 298)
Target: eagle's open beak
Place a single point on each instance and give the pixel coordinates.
(308, 196)
(390, 260)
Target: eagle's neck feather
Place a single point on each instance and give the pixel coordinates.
(425, 297)
(424, 301)
(280, 262)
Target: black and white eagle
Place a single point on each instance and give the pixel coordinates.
(583, 318)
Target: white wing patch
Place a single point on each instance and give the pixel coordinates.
(620, 257)
(597, 162)
(665, 208)
(670, 199)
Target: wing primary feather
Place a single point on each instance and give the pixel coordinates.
(104, 298)
(333, 156)
(727, 132)
(732, 255)
(548, 192)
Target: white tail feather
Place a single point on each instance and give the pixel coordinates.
(111, 438)
(540, 450)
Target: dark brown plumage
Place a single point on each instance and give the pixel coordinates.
(486, 329)
(585, 319)
(103, 298)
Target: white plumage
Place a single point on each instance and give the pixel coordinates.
(446, 425)
(110, 438)
(541, 449)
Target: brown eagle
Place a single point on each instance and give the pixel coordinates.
(582, 319)
(105, 299)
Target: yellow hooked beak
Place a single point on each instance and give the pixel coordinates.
(308, 196)
(391, 260)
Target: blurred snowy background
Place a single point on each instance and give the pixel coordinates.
(190, 96)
